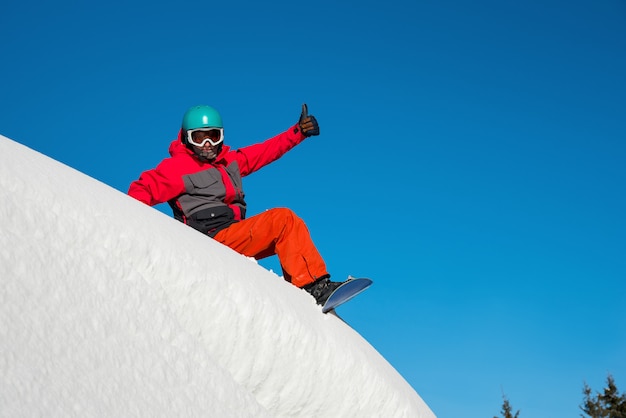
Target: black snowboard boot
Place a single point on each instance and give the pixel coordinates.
(322, 288)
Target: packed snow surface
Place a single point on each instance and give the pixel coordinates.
(111, 308)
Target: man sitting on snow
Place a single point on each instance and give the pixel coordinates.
(202, 182)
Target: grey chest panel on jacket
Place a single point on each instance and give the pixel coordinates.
(206, 189)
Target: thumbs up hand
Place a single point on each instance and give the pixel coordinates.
(308, 124)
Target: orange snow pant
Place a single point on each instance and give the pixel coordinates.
(277, 232)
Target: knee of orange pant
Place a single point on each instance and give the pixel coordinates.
(285, 214)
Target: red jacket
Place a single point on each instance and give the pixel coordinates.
(209, 196)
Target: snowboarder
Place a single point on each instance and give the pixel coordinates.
(202, 183)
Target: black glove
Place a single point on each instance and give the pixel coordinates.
(308, 124)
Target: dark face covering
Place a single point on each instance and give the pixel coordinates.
(208, 152)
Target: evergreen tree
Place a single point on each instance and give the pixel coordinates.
(507, 411)
(609, 404)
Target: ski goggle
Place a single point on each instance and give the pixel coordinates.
(213, 136)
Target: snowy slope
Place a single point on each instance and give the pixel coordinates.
(111, 308)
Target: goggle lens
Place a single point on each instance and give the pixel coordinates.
(199, 137)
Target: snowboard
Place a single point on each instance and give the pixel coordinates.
(345, 292)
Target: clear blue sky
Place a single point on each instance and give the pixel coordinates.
(472, 161)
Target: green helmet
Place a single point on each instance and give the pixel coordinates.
(200, 117)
